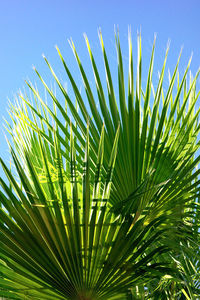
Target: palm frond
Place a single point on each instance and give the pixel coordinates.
(101, 239)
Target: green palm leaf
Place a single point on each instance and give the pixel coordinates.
(70, 245)
(102, 240)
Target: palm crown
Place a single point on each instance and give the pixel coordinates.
(105, 205)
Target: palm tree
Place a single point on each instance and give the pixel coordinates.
(105, 205)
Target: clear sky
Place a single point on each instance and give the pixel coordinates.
(29, 28)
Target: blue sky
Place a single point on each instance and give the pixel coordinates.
(30, 28)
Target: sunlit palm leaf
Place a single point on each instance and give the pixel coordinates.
(66, 244)
(155, 178)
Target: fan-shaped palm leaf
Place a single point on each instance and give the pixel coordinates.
(56, 244)
(155, 183)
